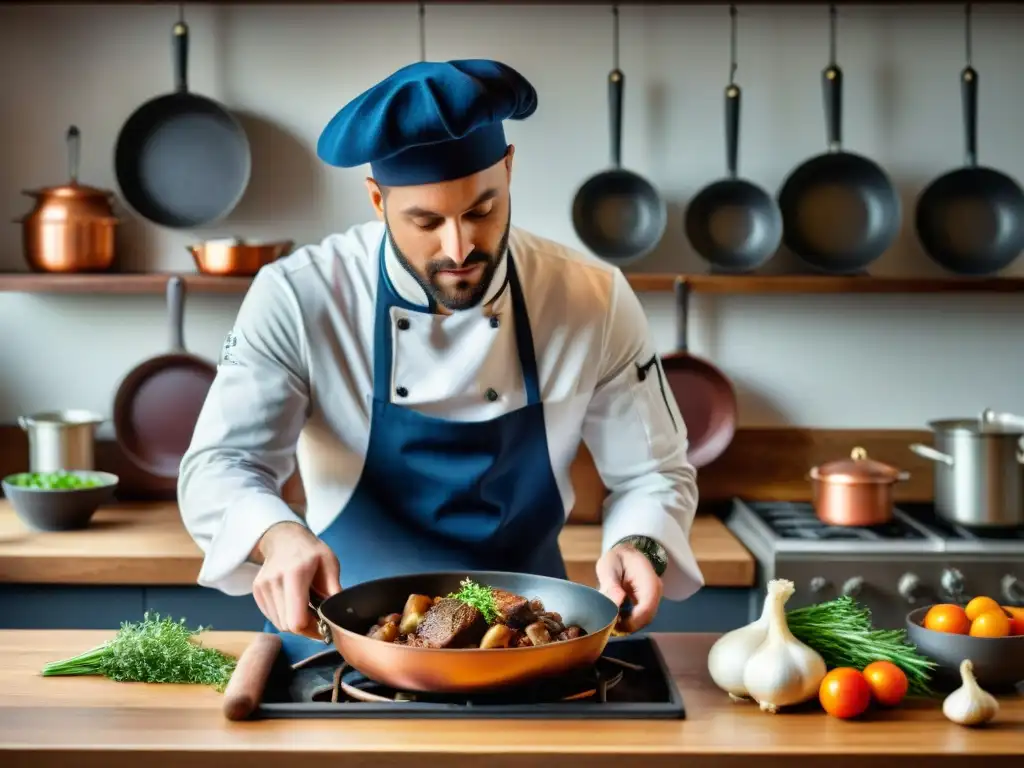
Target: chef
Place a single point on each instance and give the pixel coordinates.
(432, 374)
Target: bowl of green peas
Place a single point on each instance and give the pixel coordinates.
(64, 500)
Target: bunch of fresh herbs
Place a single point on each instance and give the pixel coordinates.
(154, 650)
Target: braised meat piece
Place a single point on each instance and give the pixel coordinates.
(451, 624)
(513, 609)
(570, 633)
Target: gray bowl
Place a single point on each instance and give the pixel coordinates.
(998, 661)
(44, 509)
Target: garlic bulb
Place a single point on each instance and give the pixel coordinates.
(782, 671)
(969, 704)
(729, 654)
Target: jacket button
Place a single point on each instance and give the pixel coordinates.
(402, 392)
(403, 323)
(491, 395)
(495, 322)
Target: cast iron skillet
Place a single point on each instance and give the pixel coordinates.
(970, 221)
(181, 159)
(618, 214)
(346, 616)
(840, 211)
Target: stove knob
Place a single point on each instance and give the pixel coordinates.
(852, 586)
(818, 583)
(1013, 590)
(953, 582)
(908, 587)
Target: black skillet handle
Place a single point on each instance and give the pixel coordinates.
(732, 129)
(832, 90)
(969, 95)
(682, 314)
(616, 81)
(180, 43)
(176, 312)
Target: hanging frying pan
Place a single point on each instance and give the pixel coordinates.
(618, 214)
(706, 398)
(840, 210)
(971, 221)
(158, 402)
(733, 224)
(181, 159)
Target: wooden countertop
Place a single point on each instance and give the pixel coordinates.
(88, 722)
(147, 545)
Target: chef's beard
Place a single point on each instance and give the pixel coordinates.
(463, 294)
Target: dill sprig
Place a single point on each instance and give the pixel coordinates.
(479, 597)
(154, 650)
(841, 631)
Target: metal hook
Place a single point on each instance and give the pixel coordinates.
(967, 31)
(423, 31)
(832, 35)
(615, 37)
(732, 44)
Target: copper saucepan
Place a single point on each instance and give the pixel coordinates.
(345, 618)
(857, 491)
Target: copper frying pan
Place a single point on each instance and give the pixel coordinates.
(346, 616)
(158, 402)
(706, 398)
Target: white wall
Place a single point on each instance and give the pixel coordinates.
(847, 361)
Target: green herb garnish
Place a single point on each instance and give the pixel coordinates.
(154, 650)
(479, 597)
(840, 630)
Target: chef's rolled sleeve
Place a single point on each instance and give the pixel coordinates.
(635, 432)
(243, 447)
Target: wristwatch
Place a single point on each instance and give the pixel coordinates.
(650, 549)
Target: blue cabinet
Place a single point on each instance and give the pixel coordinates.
(44, 606)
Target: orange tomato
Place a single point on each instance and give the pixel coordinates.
(1017, 613)
(980, 605)
(844, 693)
(946, 617)
(888, 683)
(991, 624)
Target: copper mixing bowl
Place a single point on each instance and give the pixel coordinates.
(236, 258)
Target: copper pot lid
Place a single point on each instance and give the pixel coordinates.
(858, 469)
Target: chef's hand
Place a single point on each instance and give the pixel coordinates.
(623, 571)
(294, 561)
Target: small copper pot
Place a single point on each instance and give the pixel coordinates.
(72, 227)
(856, 491)
(236, 258)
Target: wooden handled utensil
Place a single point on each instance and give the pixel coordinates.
(244, 689)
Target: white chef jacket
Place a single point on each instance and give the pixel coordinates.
(295, 380)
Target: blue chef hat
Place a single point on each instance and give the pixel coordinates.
(429, 122)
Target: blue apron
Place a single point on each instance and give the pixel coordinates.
(438, 495)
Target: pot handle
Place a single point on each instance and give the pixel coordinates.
(315, 601)
(989, 416)
(927, 452)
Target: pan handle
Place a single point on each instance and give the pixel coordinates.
(682, 314)
(969, 97)
(176, 312)
(616, 85)
(832, 90)
(732, 104)
(179, 41)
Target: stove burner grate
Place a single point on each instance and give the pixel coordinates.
(796, 520)
(352, 687)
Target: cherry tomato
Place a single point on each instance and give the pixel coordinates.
(844, 693)
(946, 617)
(991, 624)
(980, 605)
(888, 682)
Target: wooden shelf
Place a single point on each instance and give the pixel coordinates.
(156, 283)
(140, 284)
(781, 284)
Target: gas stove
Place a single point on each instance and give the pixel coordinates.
(631, 681)
(914, 560)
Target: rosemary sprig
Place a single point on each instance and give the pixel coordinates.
(154, 650)
(841, 631)
(479, 597)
